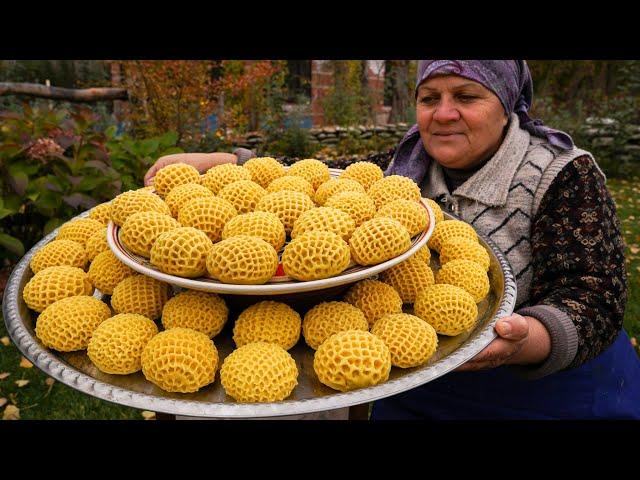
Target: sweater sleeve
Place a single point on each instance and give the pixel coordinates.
(579, 285)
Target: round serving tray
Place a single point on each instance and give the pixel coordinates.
(76, 370)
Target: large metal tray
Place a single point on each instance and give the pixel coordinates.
(76, 370)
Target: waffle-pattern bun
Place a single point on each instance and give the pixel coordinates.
(55, 283)
(169, 177)
(135, 201)
(409, 213)
(437, 211)
(207, 214)
(140, 294)
(448, 229)
(465, 274)
(424, 254)
(106, 271)
(291, 182)
(140, 231)
(79, 230)
(96, 244)
(244, 195)
(392, 188)
(182, 251)
(67, 325)
(264, 225)
(287, 205)
(58, 253)
(268, 321)
(101, 213)
(365, 173)
(242, 260)
(408, 278)
(312, 170)
(180, 360)
(264, 170)
(259, 372)
(116, 345)
(352, 359)
(336, 185)
(378, 240)
(328, 318)
(450, 310)
(460, 248)
(315, 255)
(375, 298)
(201, 311)
(183, 194)
(411, 341)
(359, 206)
(221, 175)
(324, 218)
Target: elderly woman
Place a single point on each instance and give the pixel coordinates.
(544, 203)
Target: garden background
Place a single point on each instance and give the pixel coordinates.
(59, 158)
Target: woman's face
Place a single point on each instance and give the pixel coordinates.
(461, 122)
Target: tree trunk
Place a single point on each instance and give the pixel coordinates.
(400, 100)
(68, 94)
(116, 82)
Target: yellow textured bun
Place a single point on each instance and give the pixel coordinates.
(106, 271)
(207, 214)
(116, 345)
(55, 283)
(204, 312)
(58, 253)
(365, 173)
(264, 225)
(423, 254)
(411, 214)
(140, 231)
(408, 278)
(287, 205)
(324, 218)
(448, 309)
(312, 170)
(465, 274)
(392, 188)
(291, 182)
(221, 175)
(135, 201)
(352, 359)
(448, 229)
(79, 230)
(180, 360)
(101, 213)
(437, 211)
(314, 255)
(268, 321)
(359, 206)
(259, 372)
(140, 294)
(264, 170)
(375, 298)
(244, 195)
(411, 341)
(460, 248)
(67, 325)
(243, 260)
(183, 194)
(378, 240)
(182, 251)
(96, 244)
(328, 318)
(336, 185)
(171, 176)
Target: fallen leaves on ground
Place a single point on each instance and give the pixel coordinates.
(24, 363)
(4, 375)
(3, 402)
(5, 341)
(22, 383)
(149, 415)
(11, 412)
(634, 342)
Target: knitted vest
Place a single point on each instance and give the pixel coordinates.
(502, 198)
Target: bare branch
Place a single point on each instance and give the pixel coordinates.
(69, 94)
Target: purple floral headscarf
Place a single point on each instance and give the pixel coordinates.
(510, 80)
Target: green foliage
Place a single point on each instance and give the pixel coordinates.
(348, 101)
(355, 145)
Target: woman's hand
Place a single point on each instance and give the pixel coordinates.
(521, 341)
(201, 161)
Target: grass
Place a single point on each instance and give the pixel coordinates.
(39, 400)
